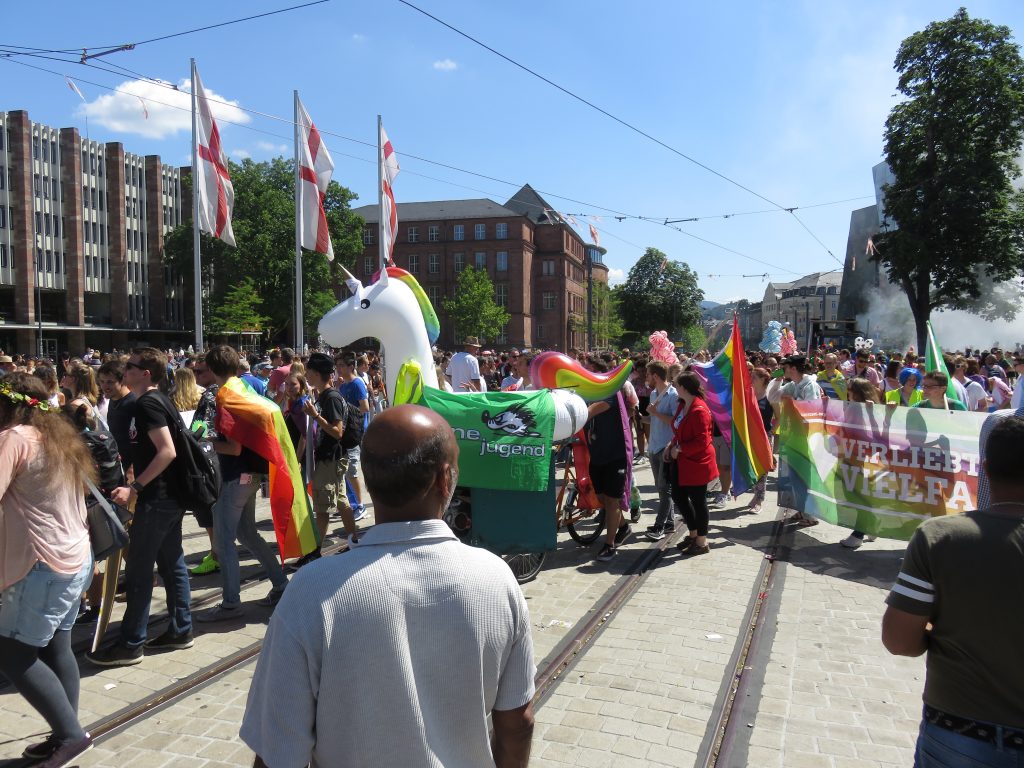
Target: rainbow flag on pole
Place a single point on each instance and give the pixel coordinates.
(730, 397)
(258, 424)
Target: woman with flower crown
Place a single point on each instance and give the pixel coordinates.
(47, 563)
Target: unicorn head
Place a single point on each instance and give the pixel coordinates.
(395, 310)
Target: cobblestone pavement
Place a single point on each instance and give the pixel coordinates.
(648, 688)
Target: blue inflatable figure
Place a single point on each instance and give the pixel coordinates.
(771, 342)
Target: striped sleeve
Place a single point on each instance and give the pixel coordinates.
(914, 591)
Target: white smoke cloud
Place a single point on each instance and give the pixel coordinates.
(889, 322)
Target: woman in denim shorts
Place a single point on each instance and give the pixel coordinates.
(44, 464)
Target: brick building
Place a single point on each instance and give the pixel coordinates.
(537, 262)
(82, 226)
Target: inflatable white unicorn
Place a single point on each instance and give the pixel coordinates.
(396, 310)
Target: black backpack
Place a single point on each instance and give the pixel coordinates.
(353, 434)
(195, 479)
(104, 452)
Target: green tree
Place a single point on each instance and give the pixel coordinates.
(608, 327)
(473, 309)
(694, 338)
(659, 295)
(263, 221)
(953, 146)
(240, 310)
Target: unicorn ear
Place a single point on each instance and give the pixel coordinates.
(383, 279)
(354, 285)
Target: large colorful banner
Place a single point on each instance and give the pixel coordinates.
(877, 469)
(504, 437)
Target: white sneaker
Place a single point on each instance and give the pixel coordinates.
(718, 502)
(359, 513)
(852, 542)
(869, 537)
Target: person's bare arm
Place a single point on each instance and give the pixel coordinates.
(595, 408)
(513, 732)
(904, 634)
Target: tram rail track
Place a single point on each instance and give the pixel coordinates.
(723, 726)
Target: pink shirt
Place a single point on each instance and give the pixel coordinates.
(42, 517)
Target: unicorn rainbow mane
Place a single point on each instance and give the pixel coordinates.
(553, 370)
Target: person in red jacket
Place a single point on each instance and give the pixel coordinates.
(694, 455)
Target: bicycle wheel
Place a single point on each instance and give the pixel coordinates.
(526, 566)
(585, 530)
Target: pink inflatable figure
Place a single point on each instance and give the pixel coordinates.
(662, 348)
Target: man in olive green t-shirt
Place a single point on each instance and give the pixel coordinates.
(957, 598)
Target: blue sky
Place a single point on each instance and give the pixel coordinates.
(788, 99)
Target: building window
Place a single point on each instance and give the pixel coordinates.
(501, 231)
(458, 232)
(3, 217)
(35, 148)
(368, 265)
(3, 177)
(547, 267)
(38, 186)
(53, 151)
(3, 256)
(434, 263)
(414, 263)
(540, 331)
(480, 260)
(39, 222)
(480, 232)
(501, 295)
(434, 294)
(368, 236)
(503, 336)
(433, 233)
(53, 182)
(414, 234)
(548, 300)
(502, 261)
(460, 262)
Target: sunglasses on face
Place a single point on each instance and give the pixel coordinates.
(136, 366)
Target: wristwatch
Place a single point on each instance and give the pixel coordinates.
(137, 487)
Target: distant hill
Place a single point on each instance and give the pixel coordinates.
(718, 311)
(706, 305)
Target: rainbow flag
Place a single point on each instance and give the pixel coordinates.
(258, 424)
(730, 397)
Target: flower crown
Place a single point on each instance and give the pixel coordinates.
(18, 397)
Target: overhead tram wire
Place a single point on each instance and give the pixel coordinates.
(647, 219)
(611, 116)
(617, 214)
(129, 46)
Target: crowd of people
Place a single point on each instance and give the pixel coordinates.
(51, 415)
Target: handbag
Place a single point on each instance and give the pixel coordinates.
(106, 530)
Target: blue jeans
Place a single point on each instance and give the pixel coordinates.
(42, 603)
(234, 516)
(664, 508)
(939, 748)
(155, 537)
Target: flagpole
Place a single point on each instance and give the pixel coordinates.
(384, 247)
(298, 236)
(196, 255)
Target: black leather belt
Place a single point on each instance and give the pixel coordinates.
(1009, 738)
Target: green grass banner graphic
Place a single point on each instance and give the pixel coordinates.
(877, 469)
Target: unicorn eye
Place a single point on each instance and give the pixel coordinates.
(365, 303)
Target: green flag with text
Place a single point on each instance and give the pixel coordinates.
(504, 437)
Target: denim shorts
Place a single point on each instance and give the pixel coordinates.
(43, 602)
(354, 455)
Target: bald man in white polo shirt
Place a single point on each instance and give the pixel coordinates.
(394, 653)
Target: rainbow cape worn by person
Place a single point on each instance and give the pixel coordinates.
(258, 424)
(730, 397)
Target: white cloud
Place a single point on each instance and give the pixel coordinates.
(445, 65)
(241, 154)
(269, 146)
(616, 276)
(170, 111)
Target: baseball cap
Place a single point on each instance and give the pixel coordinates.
(262, 366)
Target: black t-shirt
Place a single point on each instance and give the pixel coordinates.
(119, 418)
(152, 411)
(331, 405)
(605, 436)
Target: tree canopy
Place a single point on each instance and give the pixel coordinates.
(473, 309)
(264, 225)
(953, 146)
(659, 294)
(239, 311)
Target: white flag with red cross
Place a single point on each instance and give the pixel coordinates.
(315, 170)
(216, 195)
(389, 211)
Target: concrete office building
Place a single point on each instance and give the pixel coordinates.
(82, 227)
